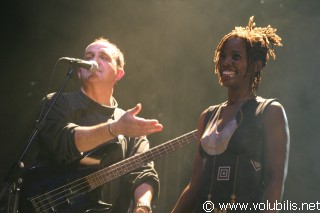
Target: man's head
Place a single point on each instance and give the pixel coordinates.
(110, 60)
(117, 54)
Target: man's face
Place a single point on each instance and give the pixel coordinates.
(104, 54)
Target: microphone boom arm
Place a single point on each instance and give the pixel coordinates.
(13, 179)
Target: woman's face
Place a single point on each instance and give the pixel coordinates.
(232, 64)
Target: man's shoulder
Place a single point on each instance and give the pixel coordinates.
(64, 95)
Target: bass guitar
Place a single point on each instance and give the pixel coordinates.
(44, 195)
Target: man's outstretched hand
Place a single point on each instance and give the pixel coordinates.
(131, 125)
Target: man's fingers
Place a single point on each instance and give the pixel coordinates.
(134, 126)
(152, 126)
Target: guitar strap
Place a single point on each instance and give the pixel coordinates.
(117, 115)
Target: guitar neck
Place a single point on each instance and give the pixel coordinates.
(116, 170)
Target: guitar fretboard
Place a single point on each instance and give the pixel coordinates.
(52, 200)
(116, 170)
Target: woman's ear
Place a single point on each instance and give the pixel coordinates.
(258, 66)
(120, 74)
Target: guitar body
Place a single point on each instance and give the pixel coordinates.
(50, 181)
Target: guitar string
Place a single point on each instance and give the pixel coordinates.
(145, 156)
(125, 170)
(161, 149)
(114, 169)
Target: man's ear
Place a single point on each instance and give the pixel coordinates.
(258, 66)
(79, 73)
(120, 74)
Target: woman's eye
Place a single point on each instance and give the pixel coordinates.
(236, 57)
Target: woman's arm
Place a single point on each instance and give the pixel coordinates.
(276, 153)
(186, 201)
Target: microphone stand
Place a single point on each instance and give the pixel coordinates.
(13, 180)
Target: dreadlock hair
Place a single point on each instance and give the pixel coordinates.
(260, 42)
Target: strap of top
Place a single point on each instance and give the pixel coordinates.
(209, 114)
(264, 104)
(212, 109)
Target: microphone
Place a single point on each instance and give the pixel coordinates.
(92, 66)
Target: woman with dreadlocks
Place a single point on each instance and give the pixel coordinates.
(242, 160)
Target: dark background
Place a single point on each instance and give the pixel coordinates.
(168, 47)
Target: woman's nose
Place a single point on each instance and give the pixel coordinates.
(225, 62)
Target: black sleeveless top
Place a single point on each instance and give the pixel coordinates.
(237, 173)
